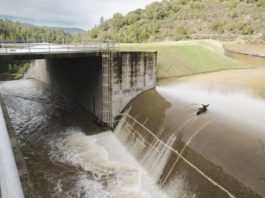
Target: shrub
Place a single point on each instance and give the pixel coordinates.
(196, 5)
(247, 30)
(231, 27)
(233, 3)
(261, 3)
(234, 14)
(182, 33)
(218, 25)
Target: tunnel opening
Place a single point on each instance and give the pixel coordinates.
(80, 80)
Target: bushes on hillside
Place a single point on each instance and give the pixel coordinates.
(245, 28)
(14, 66)
(260, 3)
(218, 25)
(181, 33)
(15, 31)
(167, 19)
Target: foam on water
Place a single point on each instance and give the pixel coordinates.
(153, 157)
(108, 169)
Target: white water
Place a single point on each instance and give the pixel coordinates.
(153, 156)
(109, 170)
(9, 179)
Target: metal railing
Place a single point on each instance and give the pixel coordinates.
(43, 46)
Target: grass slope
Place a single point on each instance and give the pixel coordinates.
(185, 58)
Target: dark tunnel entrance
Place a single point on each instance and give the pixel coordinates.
(79, 79)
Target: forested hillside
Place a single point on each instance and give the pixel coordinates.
(10, 30)
(184, 19)
(14, 31)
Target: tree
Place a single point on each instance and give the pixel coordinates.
(101, 20)
(118, 21)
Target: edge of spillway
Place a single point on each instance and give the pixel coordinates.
(14, 176)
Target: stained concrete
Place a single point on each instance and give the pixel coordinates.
(102, 83)
(131, 74)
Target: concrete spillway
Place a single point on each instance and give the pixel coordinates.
(217, 154)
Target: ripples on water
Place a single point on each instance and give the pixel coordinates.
(217, 154)
(66, 153)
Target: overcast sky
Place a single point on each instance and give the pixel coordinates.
(67, 13)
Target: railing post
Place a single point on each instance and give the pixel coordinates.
(14, 46)
(5, 46)
(29, 46)
(68, 43)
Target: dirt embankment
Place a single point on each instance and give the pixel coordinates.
(247, 49)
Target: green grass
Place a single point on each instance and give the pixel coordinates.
(185, 58)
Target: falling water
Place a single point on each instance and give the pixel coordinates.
(66, 153)
(160, 147)
(217, 154)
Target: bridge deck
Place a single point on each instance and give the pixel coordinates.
(48, 55)
(14, 51)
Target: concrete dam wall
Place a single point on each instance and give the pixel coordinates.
(103, 83)
(211, 155)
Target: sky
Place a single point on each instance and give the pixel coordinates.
(66, 13)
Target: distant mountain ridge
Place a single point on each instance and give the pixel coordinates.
(72, 31)
(15, 31)
(27, 21)
(187, 19)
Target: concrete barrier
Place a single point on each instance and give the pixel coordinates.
(9, 178)
(14, 176)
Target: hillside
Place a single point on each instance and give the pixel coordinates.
(20, 32)
(10, 30)
(185, 19)
(183, 58)
(71, 31)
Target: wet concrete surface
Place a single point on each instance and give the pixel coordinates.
(217, 154)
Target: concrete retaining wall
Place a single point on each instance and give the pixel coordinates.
(103, 84)
(132, 73)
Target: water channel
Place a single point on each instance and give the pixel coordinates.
(160, 148)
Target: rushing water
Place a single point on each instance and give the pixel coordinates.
(66, 153)
(160, 147)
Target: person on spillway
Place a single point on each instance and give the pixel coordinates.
(202, 109)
